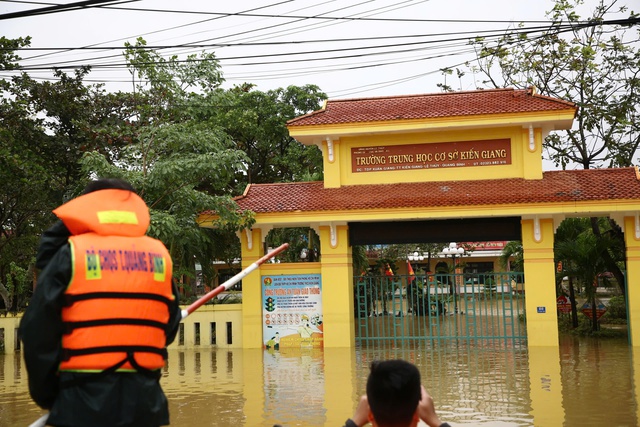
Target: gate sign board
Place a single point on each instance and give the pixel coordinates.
(600, 309)
(292, 311)
(431, 156)
(564, 305)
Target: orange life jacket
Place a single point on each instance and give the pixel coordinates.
(117, 303)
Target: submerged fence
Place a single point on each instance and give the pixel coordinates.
(478, 308)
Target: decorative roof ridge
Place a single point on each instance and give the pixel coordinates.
(313, 113)
(592, 170)
(269, 184)
(424, 95)
(365, 107)
(244, 193)
(535, 94)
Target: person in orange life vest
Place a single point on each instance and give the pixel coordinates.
(103, 311)
(395, 398)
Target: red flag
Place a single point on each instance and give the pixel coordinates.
(388, 271)
(412, 275)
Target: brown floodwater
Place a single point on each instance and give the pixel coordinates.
(583, 383)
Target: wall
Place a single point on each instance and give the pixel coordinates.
(226, 317)
(524, 163)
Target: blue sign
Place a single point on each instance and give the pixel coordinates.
(542, 309)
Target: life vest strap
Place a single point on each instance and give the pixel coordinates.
(69, 327)
(68, 353)
(80, 380)
(70, 299)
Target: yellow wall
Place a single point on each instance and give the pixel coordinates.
(9, 323)
(545, 384)
(219, 314)
(252, 250)
(540, 301)
(205, 317)
(337, 287)
(633, 279)
(524, 162)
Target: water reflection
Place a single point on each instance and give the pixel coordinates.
(586, 382)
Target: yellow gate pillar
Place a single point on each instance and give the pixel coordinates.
(337, 287)
(545, 382)
(632, 244)
(252, 250)
(540, 289)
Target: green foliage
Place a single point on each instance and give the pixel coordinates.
(594, 66)
(184, 143)
(16, 287)
(180, 166)
(33, 178)
(256, 123)
(230, 298)
(585, 328)
(584, 254)
(616, 310)
(360, 260)
(512, 252)
(299, 239)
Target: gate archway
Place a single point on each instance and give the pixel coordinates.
(464, 157)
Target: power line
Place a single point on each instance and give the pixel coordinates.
(394, 46)
(59, 8)
(357, 55)
(178, 26)
(79, 5)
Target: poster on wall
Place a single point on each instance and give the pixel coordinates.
(292, 311)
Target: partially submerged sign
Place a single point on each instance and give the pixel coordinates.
(564, 305)
(588, 310)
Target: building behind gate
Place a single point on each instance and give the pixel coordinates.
(447, 167)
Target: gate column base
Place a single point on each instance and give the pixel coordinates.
(337, 287)
(633, 276)
(539, 274)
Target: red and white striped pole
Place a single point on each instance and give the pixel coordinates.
(235, 279)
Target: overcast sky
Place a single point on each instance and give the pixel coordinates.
(349, 48)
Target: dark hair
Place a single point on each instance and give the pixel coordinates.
(107, 183)
(393, 392)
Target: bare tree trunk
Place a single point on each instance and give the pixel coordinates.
(4, 293)
(594, 313)
(574, 309)
(612, 266)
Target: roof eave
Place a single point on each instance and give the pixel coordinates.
(548, 120)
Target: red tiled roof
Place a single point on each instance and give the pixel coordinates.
(453, 104)
(555, 187)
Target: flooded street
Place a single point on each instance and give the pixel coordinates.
(586, 382)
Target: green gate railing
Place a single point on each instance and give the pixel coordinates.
(479, 308)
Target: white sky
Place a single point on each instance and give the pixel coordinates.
(407, 65)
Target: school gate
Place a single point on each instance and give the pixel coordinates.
(459, 165)
(438, 308)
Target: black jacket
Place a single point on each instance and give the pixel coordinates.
(115, 399)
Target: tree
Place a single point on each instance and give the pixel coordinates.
(581, 252)
(512, 256)
(590, 62)
(179, 164)
(29, 173)
(256, 122)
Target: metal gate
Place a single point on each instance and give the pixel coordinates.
(479, 308)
